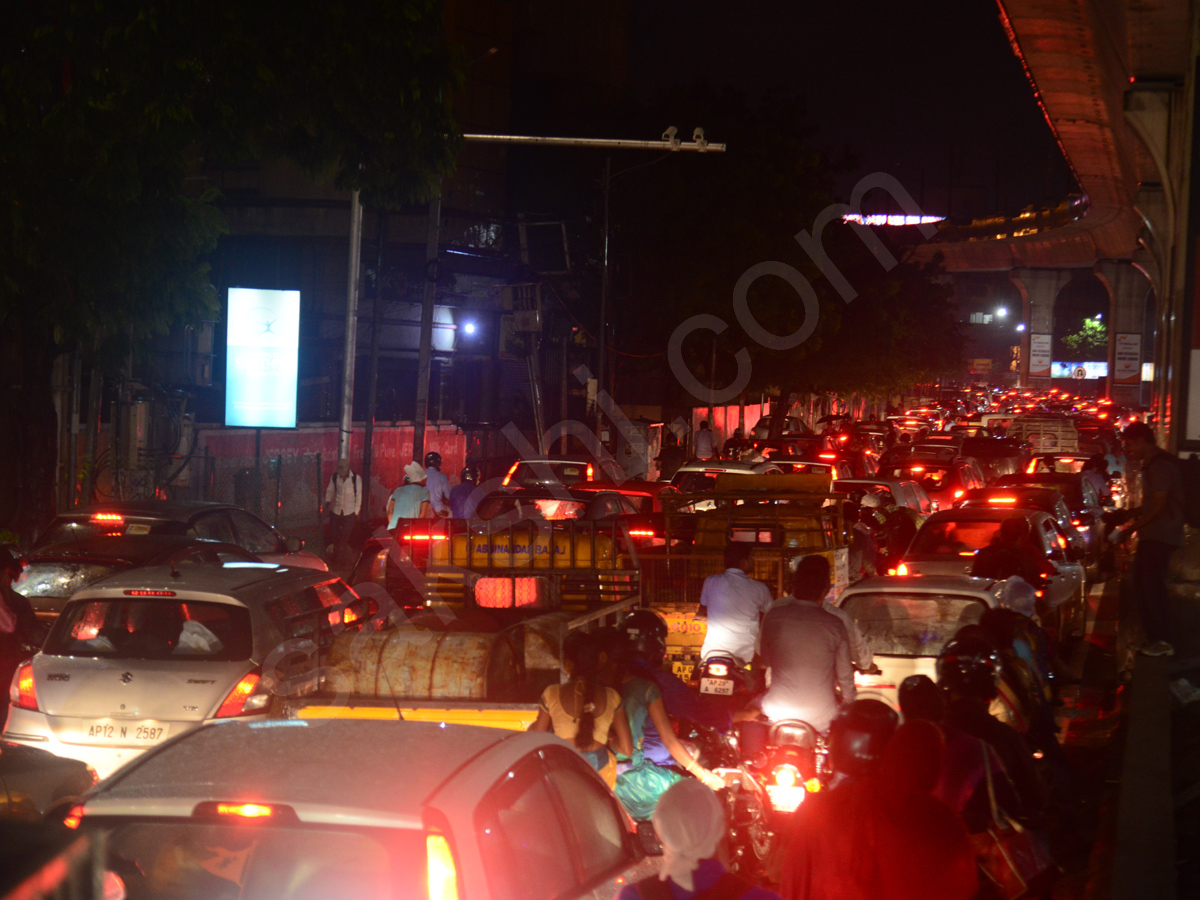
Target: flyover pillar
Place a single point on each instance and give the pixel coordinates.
(1128, 290)
(1038, 289)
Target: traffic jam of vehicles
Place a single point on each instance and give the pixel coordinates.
(513, 695)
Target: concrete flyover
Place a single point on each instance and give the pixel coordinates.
(1115, 81)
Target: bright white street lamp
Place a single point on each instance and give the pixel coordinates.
(1001, 312)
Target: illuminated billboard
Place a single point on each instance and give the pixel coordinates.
(262, 344)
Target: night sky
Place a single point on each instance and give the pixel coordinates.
(901, 87)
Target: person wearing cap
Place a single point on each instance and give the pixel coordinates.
(690, 823)
(411, 499)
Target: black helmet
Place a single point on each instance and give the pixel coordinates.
(433, 459)
(969, 666)
(471, 474)
(646, 633)
(858, 735)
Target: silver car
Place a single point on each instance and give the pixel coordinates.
(364, 809)
(148, 654)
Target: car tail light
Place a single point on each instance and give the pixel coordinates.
(902, 569)
(141, 592)
(958, 494)
(966, 552)
(718, 670)
(916, 468)
(74, 818)
(1077, 522)
(246, 810)
(1032, 467)
(108, 519)
(590, 471)
(23, 693)
(826, 456)
(243, 700)
(511, 472)
(441, 873)
(423, 537)
(1007, 500)
(641, 532)
(843, 437)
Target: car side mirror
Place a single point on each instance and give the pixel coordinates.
(1057, 554)
(293, 544)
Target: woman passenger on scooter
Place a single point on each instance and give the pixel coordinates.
(583, 711)
(640, 780)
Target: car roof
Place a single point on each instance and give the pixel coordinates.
(1029, 492)
(923, 584)
(352, 771)
(981, 514)
(137, 549)
(226, 580)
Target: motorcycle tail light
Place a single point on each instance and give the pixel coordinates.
(786, 775)
(718, 670)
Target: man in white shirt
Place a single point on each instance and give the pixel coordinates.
(437, 484)
(704, 444)
(734, 605)
(343, 500)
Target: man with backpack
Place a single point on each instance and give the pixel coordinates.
(343, 501)
(1159, 526)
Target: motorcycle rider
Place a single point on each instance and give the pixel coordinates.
(646, 636)
(733, 603)
(1009, 554)
(462, 496)
(857, 737)
(806, 650)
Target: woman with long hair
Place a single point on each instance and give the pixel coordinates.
(583, 711)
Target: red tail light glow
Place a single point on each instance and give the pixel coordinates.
(718, 670)
(108, 518)
(74, 818)
(242, 699)
(1008, 500)
(140, 592)
(902, 569)
(590, 471)
(246, 810)
(424, 537)
(641, 532)
(512, 471)
(23, 693)
(441, 873)
(958, 494)
(826, 456)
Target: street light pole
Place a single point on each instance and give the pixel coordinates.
(425, 353)
(351, 338)
(603, 339)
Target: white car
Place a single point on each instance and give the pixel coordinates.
(148, 654)
(700, 477)
(903, 493)
(948, 541)
(370, 810)
(907, 620)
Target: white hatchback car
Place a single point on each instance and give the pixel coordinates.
(907, 620)
(141, 656)
(299, 810)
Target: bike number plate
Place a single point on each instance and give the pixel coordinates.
(723, 686)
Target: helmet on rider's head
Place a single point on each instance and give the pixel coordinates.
(433, 459)
(858, 735)
(871, 501)
(646, 633)
(969, 667)
(471, 474)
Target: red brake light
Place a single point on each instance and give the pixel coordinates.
(246, 810)
(590, 471)
(1077, 522)
(641, 532)
(140, 592)
(843, 437)
(108, 518)
(423, 537)
(1032, 467)
(1002, 499)
(902, 569)
(441, 873)
(23, 693)
(74, 818)
(826, 456)
(242, 696)
(719, 670)
(958, 494)
(916, 468)
(512, 471)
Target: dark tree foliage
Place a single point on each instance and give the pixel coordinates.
(108, 110)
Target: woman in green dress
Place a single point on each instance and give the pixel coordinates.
(641, 780)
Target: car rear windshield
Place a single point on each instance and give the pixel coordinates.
(528, 474)
(83, 528)
(151, 628)
(1068, 465)
(947, 538)
(550, 509)
(1072, 493)
(199, 861)
(911, 624)
(931, 477)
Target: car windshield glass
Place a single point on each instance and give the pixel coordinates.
(911, 624)
(1070, 492)
(55, 579)
(947, 538)
(931, 477)
(537, 473)
(198, 861)
(151, 628)
(1069, 465)
(63, 530)
(552, 510)
(694, 482)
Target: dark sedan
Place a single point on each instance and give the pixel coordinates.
(34, 782)
(1081, 497)
(57, 570)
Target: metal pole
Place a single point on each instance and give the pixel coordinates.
(373, 377)
(351, 343)
(671, 145)
(73, 430)
(603, 295)
(427, 298)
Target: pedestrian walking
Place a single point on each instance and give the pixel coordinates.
(704, 444)
(411, 499)
(343, 501)
(1158, 523)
